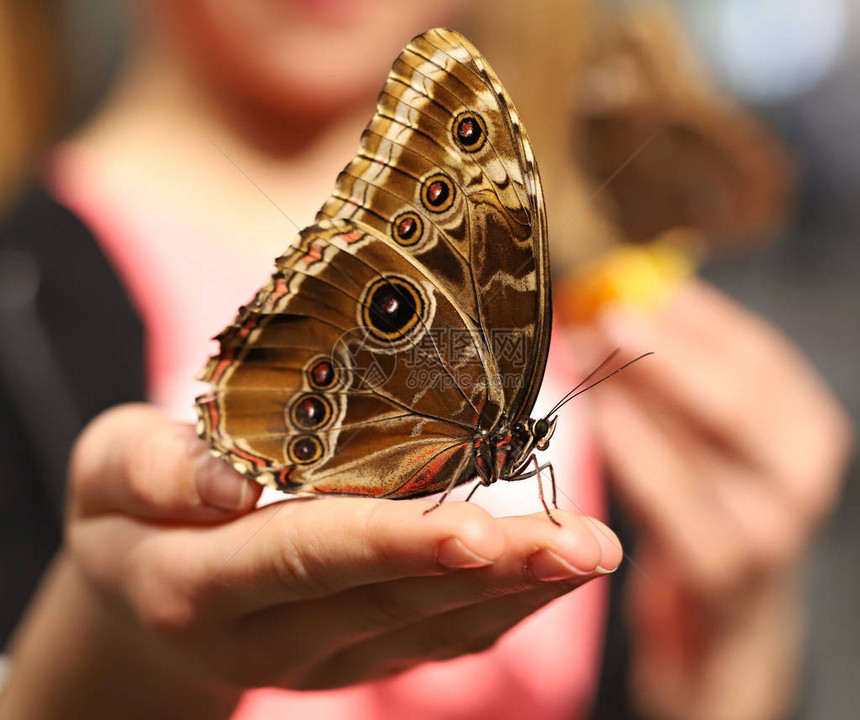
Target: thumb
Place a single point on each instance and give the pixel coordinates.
(132, 459)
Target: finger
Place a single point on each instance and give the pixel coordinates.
(662, 479)
(760, 516)
(531, 558)
(133, 460)
(370, 610)
(739, 380)
(468, 630)
(297, 549)
(767, 525)
(311, 548)
(378, 541)
(761, 529)
(535, 553)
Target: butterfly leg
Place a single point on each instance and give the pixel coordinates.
(451, 485)
(536, 472)
(444, 495)
(474, 489)
(549, 467)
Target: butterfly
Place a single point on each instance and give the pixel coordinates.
(399, 346)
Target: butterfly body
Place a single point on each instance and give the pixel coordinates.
(504, 452)
(398, 349)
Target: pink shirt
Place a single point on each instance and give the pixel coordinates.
(187, 281)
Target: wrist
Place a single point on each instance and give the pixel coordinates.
(76, 656)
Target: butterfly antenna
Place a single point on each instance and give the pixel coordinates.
(576, 392)
(584, 380)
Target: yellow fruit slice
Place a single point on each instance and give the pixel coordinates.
(642, 276)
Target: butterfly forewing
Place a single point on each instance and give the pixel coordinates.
(413, 315)
(443, 116)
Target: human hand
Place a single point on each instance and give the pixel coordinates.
(309, 593)
(727, 451)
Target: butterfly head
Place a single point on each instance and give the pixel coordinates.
(542, 431)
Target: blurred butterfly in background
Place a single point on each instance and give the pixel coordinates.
(399, 347)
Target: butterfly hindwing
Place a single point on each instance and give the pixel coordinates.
(313, 387)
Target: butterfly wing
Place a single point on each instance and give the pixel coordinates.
(317, 387)
(415, 311)
(445, 170)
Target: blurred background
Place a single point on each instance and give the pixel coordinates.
(793, 64)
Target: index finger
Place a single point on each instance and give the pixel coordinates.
(312, 547)
(307, 550)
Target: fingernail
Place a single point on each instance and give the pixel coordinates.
(452, 553)
(546, 565)
(610, 545)
(219, 485)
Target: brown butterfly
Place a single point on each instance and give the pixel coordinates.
(399, 347)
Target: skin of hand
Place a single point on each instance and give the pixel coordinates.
(727, 452)
(202, 596)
